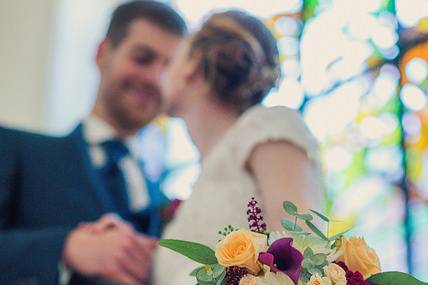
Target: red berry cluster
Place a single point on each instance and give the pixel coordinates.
(234, 275)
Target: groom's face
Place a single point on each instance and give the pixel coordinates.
(130, 74)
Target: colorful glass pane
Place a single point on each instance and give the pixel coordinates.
(358, 72)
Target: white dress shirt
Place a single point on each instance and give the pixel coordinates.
(95, 132)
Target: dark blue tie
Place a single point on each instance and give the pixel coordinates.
(113, 177)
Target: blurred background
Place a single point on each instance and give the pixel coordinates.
(357, 70)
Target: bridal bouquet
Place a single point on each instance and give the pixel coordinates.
(256, 256)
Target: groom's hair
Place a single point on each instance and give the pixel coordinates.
(155, 12)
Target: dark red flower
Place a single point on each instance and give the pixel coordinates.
(353, 278)
(234, 275)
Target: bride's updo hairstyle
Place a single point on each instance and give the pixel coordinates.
(238, 57)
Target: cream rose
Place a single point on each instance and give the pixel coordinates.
(248, 280)
(318, 280)
(271, 278)
(359, 257)
(241, 248)
(336, 274)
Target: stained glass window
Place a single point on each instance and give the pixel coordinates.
(358, 72)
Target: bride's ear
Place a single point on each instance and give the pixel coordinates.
(192, 69)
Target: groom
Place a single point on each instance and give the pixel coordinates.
(48, 186)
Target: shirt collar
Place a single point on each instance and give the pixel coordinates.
(97, 131)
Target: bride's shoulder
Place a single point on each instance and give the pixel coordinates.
(271, 118)
(259, 111)
(266, 124)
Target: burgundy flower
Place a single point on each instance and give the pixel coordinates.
(282, 256)
(234, 275)
(353, 278)
(255, 217)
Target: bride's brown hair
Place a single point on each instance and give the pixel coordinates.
(239, 58)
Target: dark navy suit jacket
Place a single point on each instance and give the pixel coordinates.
(47, 186)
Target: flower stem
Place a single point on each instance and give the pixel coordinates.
(295, 223)
(328, 230)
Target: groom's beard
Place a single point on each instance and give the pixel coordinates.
(133, 105)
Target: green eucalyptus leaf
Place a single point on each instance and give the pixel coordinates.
(290, 226)
(304, 278)
(321, 216)
(303, 234)
(316, 230)
(319, 259)
(308, 253)
(305, 217)
(200, 282)
(290, 208)
(204, 276)
(221, 279)
(314, 271)
(336, 236)
(394, 278)
(217, 270)
(195, 251)
(307, 263)
(195, 271)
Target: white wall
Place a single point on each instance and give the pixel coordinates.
(79, 27)
(48, 77)
(25, 33)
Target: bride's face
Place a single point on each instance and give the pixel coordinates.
(174, 82)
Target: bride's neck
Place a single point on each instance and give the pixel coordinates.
(207, 124)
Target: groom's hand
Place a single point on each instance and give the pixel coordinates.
(116, 253)
(106, 222)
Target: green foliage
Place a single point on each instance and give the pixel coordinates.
(321, 216)
(394, 278)
(227, 230)
(308, 253)
(195, 271)
(316, 230)
(210, 274)
(336, 236)
(195, 251)
(291, 226)
(305, 217)
(290, 208)
(312, 264)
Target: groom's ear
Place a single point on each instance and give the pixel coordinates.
(103, 53)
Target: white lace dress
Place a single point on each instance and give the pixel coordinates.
(224, 187)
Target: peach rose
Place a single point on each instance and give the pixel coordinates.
(241, 248)
(318, 280)
(359, 257)
(336, 274)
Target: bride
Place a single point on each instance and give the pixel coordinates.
(216, 82)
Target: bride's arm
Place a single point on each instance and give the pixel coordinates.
(284, 172)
